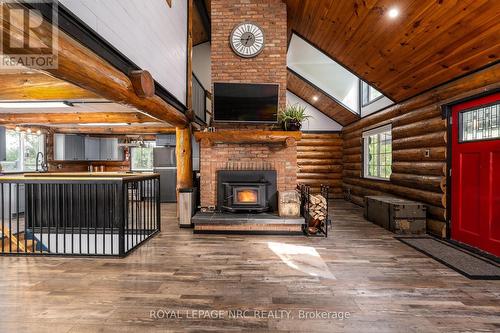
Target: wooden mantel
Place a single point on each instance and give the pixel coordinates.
(235, 136)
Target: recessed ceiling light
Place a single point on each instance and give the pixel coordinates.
(34, 105)
(393, 12)
(315, 98)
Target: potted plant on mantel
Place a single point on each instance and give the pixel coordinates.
(292, 116)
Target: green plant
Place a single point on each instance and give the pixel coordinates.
(292, 114)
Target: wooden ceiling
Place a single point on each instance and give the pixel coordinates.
(429, 43)
(323, 103)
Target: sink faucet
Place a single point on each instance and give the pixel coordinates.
(40, 162)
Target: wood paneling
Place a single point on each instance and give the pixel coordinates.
(324, 103)
(319, 161)
(429, 43)
(419, 147)
(74, 118)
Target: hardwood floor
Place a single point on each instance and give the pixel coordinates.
(385, 285)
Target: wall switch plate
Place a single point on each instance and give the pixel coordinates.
(427, 153)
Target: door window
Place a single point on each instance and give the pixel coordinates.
(480, 123)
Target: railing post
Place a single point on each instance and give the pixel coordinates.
(120, 216)
(158, 206)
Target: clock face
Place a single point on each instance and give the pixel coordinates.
(247, 40)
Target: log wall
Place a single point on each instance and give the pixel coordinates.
(419, 147)
(319, 161)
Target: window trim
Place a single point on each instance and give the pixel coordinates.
(365, 135)
(361, 94)
(132, 163)
(22, 150)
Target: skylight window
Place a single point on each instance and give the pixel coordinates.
(324, 73)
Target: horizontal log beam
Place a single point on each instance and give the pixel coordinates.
(319, 155)
(320, 142)
(436, 199)
(352, 166)
(419, 128)
(319, 148)
(80, 66)
(36, 86)
(352, 151)
(75, 118)
(235, 136)
(437, 228)
(330, 182)
(318, 175)
(352, 158)
(420, 168)
(428, 183)
(351, 173)
(319, 168)
(319, 161)
(162, 129)
(436, 139)
(420, 154)
(429, 112)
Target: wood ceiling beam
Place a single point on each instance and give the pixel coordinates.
(39, 86)
(119, 130)
(74, 118)
(80, 66)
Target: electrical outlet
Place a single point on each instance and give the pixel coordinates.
(427, 153)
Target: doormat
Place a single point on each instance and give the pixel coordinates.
(464, 262)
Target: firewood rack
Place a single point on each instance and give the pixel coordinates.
(305, 192)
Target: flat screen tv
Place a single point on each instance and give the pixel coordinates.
(244, 102)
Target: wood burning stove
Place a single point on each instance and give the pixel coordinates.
(246, 191)
(244, 197)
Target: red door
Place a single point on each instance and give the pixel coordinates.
(475, 215)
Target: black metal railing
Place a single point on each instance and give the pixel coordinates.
(199, 100)
(97, 217)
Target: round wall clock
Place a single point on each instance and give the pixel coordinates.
(247, 40)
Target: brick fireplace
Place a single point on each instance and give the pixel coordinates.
(230, 152)
(245, 156)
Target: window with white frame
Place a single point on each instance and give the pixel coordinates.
(377, 161)
(142, 157)
(21, 150)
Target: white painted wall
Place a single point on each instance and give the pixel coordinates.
(150, 33)
(375, 106)
(318, 120)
